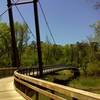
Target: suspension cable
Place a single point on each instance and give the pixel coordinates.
(47, 22)
(5, 11)
(24, 20)
(51, 34)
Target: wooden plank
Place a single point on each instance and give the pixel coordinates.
(9, 68)
(68, 91)
(8, 94)
(46, 93)
(7, 91)
(13, 98)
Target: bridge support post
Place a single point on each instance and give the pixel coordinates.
(37, 96)
(74, 98)
(52, 93)
(15, 56)
(38, 37)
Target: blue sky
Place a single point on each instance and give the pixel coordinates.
(69, 20)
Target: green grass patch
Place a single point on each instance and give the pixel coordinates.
(61, 75)
(91, 84)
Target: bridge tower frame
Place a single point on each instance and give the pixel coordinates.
(15, 56)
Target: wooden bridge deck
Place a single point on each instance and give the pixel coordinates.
(7, 91)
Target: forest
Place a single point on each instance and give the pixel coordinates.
(84, 55)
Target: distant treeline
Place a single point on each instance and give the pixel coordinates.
(85, 55)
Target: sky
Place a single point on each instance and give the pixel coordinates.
(69, 20)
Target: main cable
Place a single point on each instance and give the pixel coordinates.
(47, 22)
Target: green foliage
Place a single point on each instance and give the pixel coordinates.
(94, 68)
(22, 37)
(91, 84)
(82, 54)
(52, 54)
(96, 36)
(29, 57)
(61, 75)
(64, 75)
(67, 54)
(5, 45)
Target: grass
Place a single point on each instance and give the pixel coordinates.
(91, 84)
(88, 83)
(64, 75)
(61, 75)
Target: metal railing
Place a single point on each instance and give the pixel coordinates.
(8, 71)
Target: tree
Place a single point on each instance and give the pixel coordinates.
(83, 55)
(96, 35)
(22, 36)
(5, 46)
(67, 53)
(97, 32)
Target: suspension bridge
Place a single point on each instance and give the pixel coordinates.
(27, 83)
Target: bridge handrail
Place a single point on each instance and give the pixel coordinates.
(40, 86)
(36, 67)
(8, 68)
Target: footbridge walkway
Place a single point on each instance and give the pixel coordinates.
(26, 85)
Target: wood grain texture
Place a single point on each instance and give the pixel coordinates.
(7, 90)
(68, 91)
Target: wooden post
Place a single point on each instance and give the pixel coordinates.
(37, 96)
(74, 98)
(52, 93)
